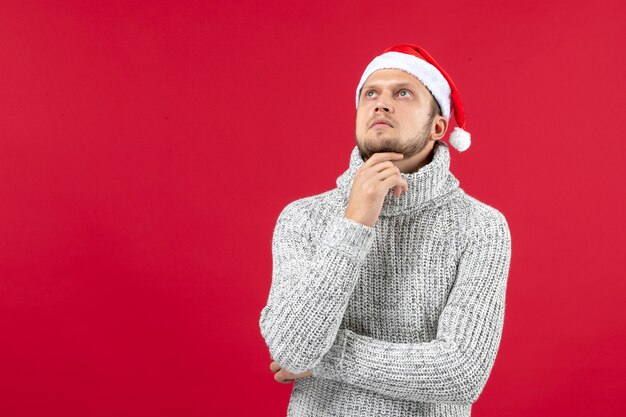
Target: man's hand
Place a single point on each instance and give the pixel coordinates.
(284, 377)
(371, 184)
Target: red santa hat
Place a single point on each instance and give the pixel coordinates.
(418, 62)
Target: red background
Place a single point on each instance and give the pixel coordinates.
(147, 148)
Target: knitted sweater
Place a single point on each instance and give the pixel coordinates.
(400, 319)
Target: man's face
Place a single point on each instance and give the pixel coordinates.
(393, 115)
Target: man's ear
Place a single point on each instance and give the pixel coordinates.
(440, 126)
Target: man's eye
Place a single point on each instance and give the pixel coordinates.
(369, 94)
(403, 93)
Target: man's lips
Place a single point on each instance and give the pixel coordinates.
(380, 123)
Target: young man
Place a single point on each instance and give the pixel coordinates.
(388, 292)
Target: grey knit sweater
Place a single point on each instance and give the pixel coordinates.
(400, 319)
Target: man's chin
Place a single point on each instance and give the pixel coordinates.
(372, 145)
(381, 147)
(366, 153)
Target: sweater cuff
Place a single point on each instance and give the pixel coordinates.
(330, 365)
(349, 237)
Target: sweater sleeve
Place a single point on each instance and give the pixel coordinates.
(454, 367)
(312, 281)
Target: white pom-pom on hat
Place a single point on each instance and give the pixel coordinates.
(418, 62)
(460, 139)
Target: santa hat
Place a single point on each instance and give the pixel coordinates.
(417, 61)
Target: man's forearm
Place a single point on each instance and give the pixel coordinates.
(311, 287)
(455, 366)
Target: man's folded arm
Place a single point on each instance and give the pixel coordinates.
(454, 367)
(312, 282)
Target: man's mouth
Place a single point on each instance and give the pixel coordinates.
(380, 123)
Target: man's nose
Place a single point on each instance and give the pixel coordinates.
(380, 107)
(383, 106)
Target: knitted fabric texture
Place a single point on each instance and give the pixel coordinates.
(400, 319)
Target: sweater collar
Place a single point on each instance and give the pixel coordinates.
(425, 187)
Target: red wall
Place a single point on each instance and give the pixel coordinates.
(147, 148)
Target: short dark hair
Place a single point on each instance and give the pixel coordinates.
(435, 110)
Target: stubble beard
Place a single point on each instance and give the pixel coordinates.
(393, 144)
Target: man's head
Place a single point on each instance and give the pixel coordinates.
(413, 97)
(397, 113)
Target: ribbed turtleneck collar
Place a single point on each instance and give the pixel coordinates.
(426, 186)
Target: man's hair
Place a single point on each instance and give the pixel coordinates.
(435, 110)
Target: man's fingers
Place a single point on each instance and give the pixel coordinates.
(395, 181)
(397, 190)
(386, 173)
(382, 156)
(283, 377)
(381, 166)
(274, 367)
(364, 173)
(392, 174)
